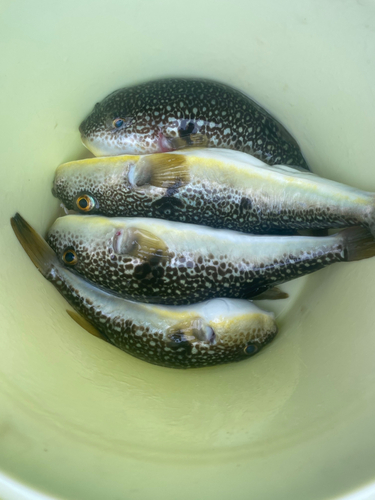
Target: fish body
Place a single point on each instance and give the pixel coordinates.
(213, 332)
(173, 263)
(166, 115)
(217, 188)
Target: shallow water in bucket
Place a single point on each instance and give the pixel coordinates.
(79, 419)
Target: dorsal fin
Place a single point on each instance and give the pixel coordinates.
(293, 170)
(271, 294)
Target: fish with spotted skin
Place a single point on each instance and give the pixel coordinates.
(158, 261)
(166, 115)
(215, 332)
(221, 188)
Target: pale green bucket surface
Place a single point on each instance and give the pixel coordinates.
(81, 420)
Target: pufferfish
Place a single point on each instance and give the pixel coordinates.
(165, 115)
(159, 261)
(210, 333)
(221, 188)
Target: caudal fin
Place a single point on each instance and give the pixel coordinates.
(41, 254)
(359, 243)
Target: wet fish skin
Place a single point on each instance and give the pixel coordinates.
(218, 188)
(165, 115)
(173, 263)
(214, 332)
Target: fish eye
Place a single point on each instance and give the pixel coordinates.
(250, 349)
(85, 203)
(70, 257)
(118, 122)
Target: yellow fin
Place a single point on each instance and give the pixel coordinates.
(86, 325)
(272, 294)
(141, 244)
(359, 243)
(191, 330)
(162, 170)
(198, 141)
(189, 141)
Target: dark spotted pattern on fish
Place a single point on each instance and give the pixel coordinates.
(187, 278)
(219, 207)
(170, 114)
(231, 209)
(153, 345)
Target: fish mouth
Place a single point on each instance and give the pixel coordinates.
(82, 132)
(272, 334)
(85, 141)
(97, 149)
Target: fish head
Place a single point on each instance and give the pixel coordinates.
(81, 242)
(120, 125)
(94, 185)
(221, 331)
(95, 246)
(239, 326)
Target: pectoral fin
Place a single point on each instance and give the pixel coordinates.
(192, 330)
(86, 325)
(188, 141)
(161, 170)
(140, 244)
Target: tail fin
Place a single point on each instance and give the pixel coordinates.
(34, 245)
(359, 243)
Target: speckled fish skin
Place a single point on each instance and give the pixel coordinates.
(215, 332)
(158, 261)
(221, 188)
(164, 115)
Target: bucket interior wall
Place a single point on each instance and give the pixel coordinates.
(82, 420)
